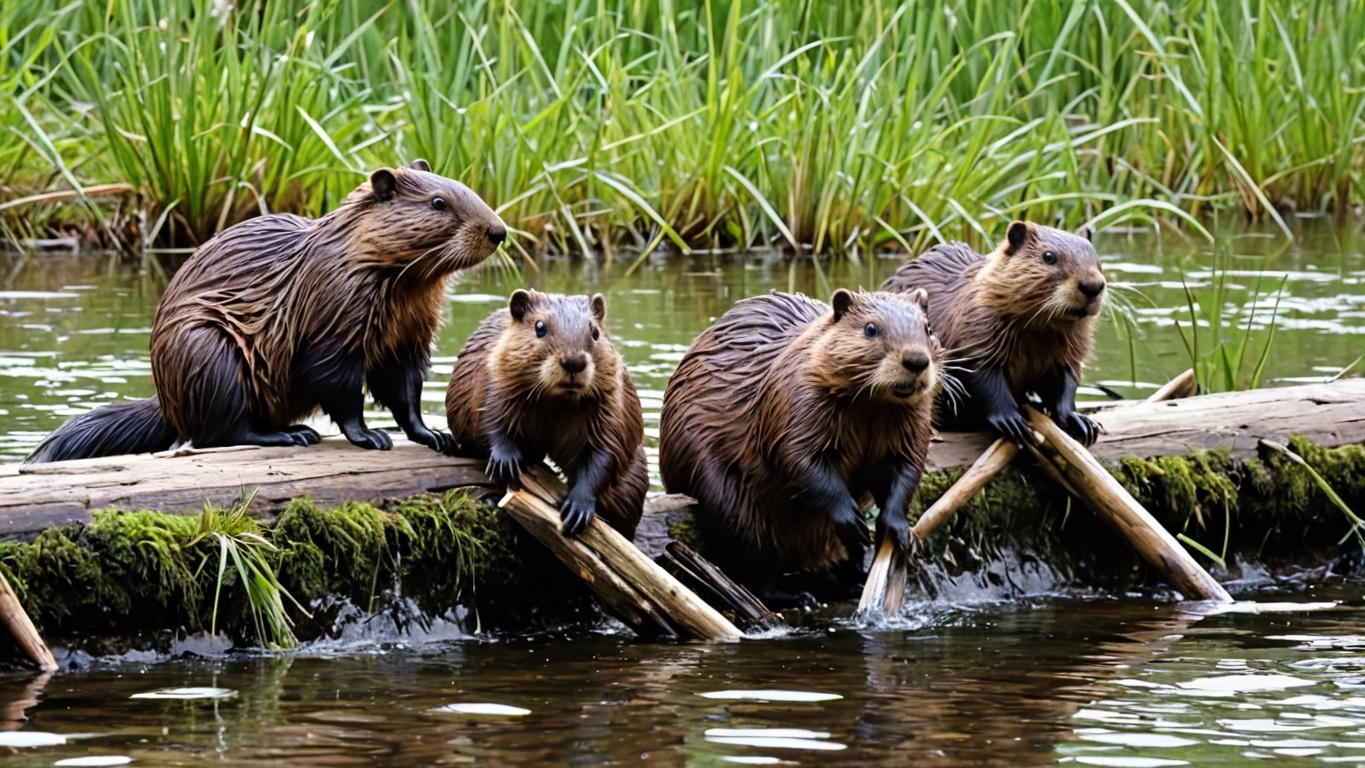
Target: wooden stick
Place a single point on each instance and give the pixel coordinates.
(632, 586)
(885, 586)
(1184, 385)
(1101, 492)
(728, 594)
(16, 619)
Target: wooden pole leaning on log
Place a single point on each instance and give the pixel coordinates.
(1101, 492)
(16, 620)
(631, 585)
(885, 585)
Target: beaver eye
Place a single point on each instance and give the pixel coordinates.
(595, 334)
(541, 329)
(439, 203)
(1049, 257)
(870, 330)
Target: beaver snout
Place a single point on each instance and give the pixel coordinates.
(915, 362)
(1091, 288)
(574, 363)
(496, 234)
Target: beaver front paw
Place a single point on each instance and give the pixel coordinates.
(504, 467)
(895, 527)
(1079, 426)
(576, 513)
(1012, 426)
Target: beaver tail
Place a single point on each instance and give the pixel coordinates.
(132, 427)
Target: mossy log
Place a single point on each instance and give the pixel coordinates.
(36, 497)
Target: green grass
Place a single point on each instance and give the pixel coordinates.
(594, 124)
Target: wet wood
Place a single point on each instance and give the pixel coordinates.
(885, 585)
(1093, 484)
(20, 626)
(36, 497)
(722, 592)
(631, 585)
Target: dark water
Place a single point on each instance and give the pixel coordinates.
(74, 329)
(1011, 675)
(1099, 681)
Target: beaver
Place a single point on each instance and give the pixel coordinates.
(785, 415)
(278, 316)
(541, 378)
(1017, 321)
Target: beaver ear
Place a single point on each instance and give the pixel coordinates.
(519, 303)
(599, 306)
(383, 184)
(1087, 231)
(420, 165)
(1017, 235)
(841, 301)
(920, 296)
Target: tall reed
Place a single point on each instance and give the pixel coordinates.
(593, 123)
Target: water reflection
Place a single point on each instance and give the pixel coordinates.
(1091, 682)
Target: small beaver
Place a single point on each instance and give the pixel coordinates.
(541, 378)
(280, 315)
(1018, 321)
(785, 414)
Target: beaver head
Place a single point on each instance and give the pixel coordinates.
(411, 218)
(555, 346)
(877, 345)
(1063, 267)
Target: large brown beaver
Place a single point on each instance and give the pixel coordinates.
(1017, 321)
(785, 414)
(279, 316)
(542, 378)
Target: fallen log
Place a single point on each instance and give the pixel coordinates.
(631, 585)
(39, 496)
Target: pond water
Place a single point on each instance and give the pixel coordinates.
(1017, 676)
(74, 329)
(1036, 681)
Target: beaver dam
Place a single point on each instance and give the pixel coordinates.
(123, 546)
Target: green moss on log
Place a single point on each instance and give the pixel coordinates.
(1266, 508)
(130, 573)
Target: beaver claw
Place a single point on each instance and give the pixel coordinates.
(897, 528)
(1081, 427)
(302, 434)
(373, 439)
(576, 514)
(1011, 426)
(504, 467)
(440, 442)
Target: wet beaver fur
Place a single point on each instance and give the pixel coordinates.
(541, 378)
(278, 316)
(785, 415)
(1017, 321)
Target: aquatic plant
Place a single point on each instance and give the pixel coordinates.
(598, 123)
(1222, 339)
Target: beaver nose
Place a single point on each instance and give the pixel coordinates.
(1091, 288)
(574, 363)
(496, 234)
(915, 362)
